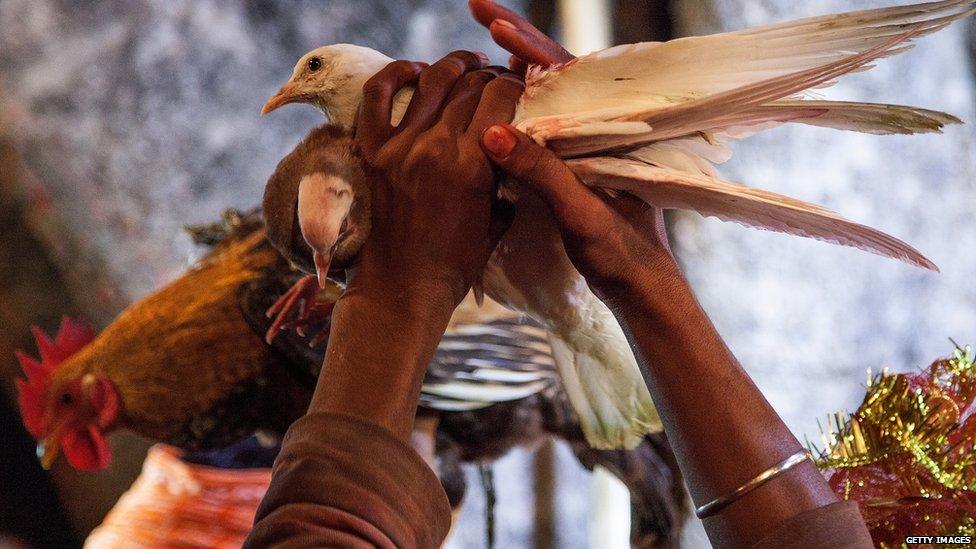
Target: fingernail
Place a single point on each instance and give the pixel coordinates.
(499, 141)
(483, 56)
(504, 23)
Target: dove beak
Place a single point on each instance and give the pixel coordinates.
(324, 202)
(287, 94)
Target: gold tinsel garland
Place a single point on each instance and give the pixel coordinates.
(907, 455)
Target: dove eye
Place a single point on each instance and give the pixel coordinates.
(314, 64)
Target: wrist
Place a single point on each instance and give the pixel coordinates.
(383, 336)
(647, 287)
(410, 296)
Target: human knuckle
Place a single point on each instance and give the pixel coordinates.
(466, 57)
(498, 90)
(440, 74)
(402, 67)
(430, 152)
(509, 81)
(375, 89)
(477, 78)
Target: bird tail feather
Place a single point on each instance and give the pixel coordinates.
(710, 196)
(603, 382)
(712, 79)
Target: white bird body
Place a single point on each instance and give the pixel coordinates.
(653, 119)
(531, 273)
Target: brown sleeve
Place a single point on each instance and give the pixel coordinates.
(342, 482)
(836, 526)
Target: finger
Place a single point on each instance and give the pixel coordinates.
(488, 12)
(463, 101)
(498, 103)
(436, 82)
(575, 207)
(493, 71)
(517, 65)
(373, 126)
(533, 48)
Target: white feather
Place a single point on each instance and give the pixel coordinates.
(652, 75)
(666, 111)
(667, 188)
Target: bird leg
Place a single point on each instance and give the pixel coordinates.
(301, 306)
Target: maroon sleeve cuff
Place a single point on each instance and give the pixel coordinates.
(838, 525)
(340, 481)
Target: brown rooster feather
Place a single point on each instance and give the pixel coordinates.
(182, 365)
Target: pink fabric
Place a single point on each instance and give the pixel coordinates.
(174, 504)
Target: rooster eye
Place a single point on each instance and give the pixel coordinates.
(314, 64)
(66, 398)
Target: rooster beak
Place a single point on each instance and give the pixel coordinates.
(287, 94)
(47, 450)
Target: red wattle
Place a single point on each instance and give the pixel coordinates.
(86, 449)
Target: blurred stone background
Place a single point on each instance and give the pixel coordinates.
(123, 121)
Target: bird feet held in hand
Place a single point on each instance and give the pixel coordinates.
(298, 308)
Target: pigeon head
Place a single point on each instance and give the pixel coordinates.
(331, 78)
(317, 202)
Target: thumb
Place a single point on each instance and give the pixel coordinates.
(538, 167)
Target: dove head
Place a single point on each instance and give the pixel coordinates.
(317, 202)
(331, 78)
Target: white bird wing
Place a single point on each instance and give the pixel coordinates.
(874, 118)
(664, 90)
(709, 196)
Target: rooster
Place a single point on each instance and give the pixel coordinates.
(650, 120)
(181, 366)
(189, 366)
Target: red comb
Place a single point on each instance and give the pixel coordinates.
(72, 337)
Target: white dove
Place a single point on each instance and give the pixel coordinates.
(652, 119)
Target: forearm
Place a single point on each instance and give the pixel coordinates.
(342, 482)
(722, 429)
(384, 336)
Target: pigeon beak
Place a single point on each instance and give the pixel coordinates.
(322, 261)
(287, 94)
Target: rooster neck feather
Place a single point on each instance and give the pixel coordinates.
(176, 334)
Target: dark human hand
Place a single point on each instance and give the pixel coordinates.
(602, 235)
(618, 244)
(435, 216)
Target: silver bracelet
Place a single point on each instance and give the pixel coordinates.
(718, 504)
